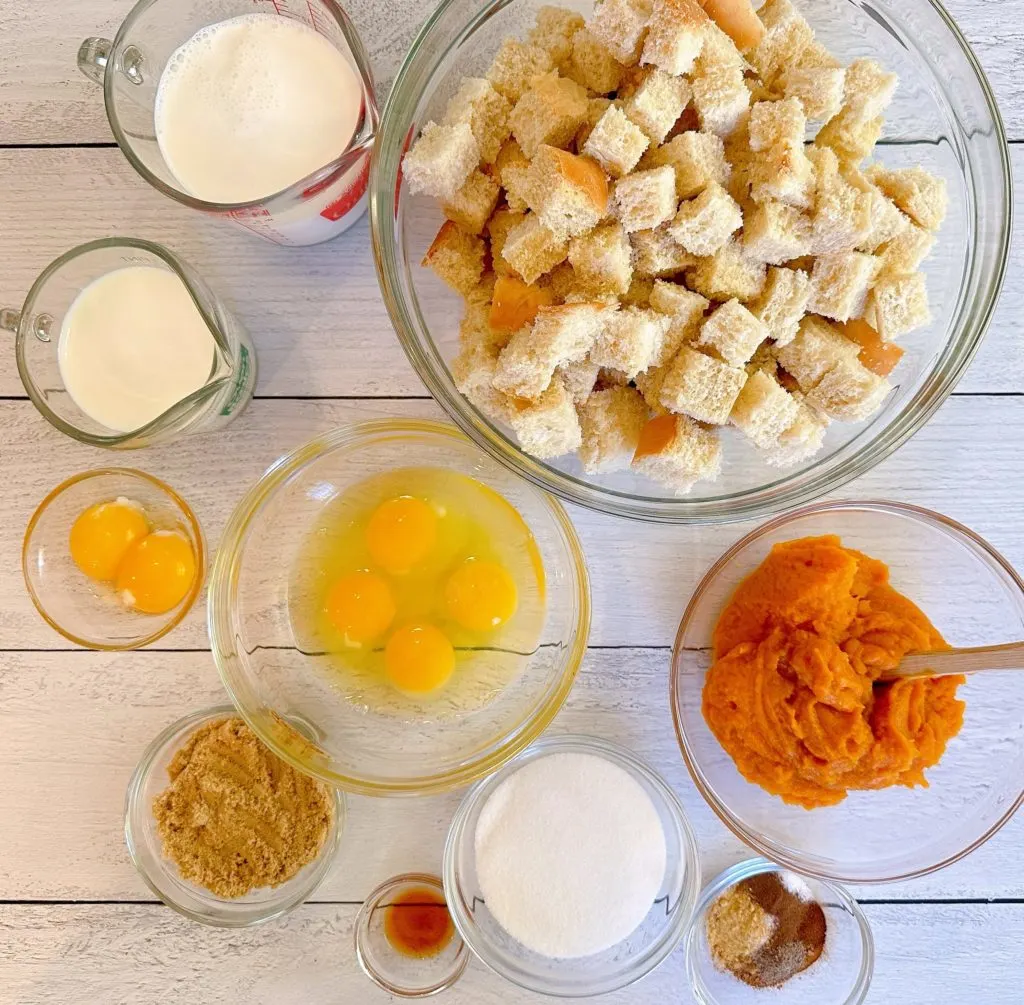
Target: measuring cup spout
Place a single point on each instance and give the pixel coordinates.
(93, 54)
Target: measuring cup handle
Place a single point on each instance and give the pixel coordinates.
(92, 58)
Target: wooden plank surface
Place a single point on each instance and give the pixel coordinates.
(926, 955)
(334, 339)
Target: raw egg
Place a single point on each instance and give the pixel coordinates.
(480, 595)
(360, 606)
(419, 659)
(401, 533)
(156, 572)
(102, 534)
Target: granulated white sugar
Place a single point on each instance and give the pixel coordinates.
(796, 886)
(570, 854)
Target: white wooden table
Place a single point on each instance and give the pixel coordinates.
(76, 922)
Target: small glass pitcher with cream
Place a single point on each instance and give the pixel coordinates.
(120, 344)
(261, 112)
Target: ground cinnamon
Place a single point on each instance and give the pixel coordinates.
(235, 817)
(765, 930)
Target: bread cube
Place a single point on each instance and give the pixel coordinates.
(801, 439)
(531, 249)
(515, 65)
(656, 103)
(675, 35)
(477, 103)
(842, 216)
(783, 303)
(593, 65)
(905, 252)
(721, 99)
(473, 372)
(700, 386)
(781, 169)
(629, 339)
(441, 160)
(815, 350)
(885, 221)
(677, 453)
(898, 304)
(763, 409)
(511, 167)
(553, 31)
(656, 254)
(616, 142)
(645, 199)
(775, 233)
(851, 138)
(698, 160)
(568, 193)
(648, 382)
(639, 292)
(685, 311)
(621, 25)
(819, 89)
(703, 224)
(550, 111)
(719, 48)
(849, 391)
(558, 335)
(611, 421)
(727, 274)
(786, 36)
(472, 206)
(815, 55)
(602, 259)
(596, 107)
(921, 195)
(549, 426)
(840, 284)
(456, 257)
(869, 89)
(579, 378)
(498, 227)
(776, 124)
(733, 333)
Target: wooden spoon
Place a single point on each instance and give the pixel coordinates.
(1009, 656)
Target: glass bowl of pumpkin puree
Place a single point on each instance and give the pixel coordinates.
(787, 734)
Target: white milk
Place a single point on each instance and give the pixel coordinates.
(132, 344)
(251, 105)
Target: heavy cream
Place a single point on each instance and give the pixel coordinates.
(249, 106)
(132, 344)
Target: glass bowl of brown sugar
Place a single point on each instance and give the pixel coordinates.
(221, 830)
(741, 950)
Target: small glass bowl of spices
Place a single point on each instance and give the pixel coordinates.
(572, 871)
(761, 932)
(406, 941)
(221, 829)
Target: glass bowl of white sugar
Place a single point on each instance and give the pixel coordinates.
(572, 871)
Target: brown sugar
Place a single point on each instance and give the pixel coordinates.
(763, 932)
(235, 817)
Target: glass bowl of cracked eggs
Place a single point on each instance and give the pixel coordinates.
(942, 117)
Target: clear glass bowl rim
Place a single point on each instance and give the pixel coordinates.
(747, 835)
(755, 867)
(625, 758)
(225, 571)
(179, 612)
(140, 775)
(362, 922)
(759, 503)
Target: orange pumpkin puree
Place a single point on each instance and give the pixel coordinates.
(792, 696)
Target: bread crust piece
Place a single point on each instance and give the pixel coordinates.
(611, 421)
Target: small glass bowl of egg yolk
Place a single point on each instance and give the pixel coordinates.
(131, 561)
(430, 583)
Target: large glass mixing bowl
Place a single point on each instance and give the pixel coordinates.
(293, 697)
(944, 117)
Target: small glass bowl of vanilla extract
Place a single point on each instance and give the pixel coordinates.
(406, 941)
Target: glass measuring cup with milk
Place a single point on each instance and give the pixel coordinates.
(121, 344)
(262, 112)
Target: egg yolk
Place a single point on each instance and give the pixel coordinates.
(419, 659)
(156, 572)
(360, 606)
(102, 534)
(401, 533)
(480, 595)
